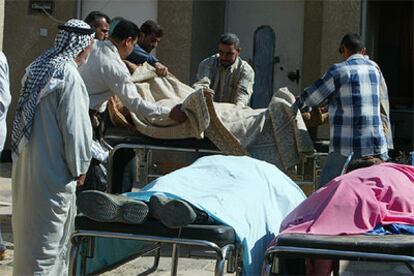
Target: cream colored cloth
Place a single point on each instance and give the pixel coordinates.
(276, 134)
(106, 75)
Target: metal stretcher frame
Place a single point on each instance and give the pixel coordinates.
(275, 252)
(144, 154)
(230, 252)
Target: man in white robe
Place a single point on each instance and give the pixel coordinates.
(51, 142)
(107, 75)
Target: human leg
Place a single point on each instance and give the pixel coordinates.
(106, 207)
(175, 213)
(172, 213)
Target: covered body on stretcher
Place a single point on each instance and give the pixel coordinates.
(230, 189)
(347, 219)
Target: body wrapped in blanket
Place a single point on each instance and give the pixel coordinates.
(376, 200)
(276, 134)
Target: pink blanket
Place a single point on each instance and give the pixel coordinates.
(356, 202)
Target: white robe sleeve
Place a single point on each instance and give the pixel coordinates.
(5, 98)
(74, 123)
(119, 82)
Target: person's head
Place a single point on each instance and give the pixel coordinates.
(125, 36)
(228, 49)
(351, 44)
(82, 58)
(150, 35)
(100, 22)
(363, 162)
(114, 22)
(74, 40)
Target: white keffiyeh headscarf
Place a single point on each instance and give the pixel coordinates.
(74, 36)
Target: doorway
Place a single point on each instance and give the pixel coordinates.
(388, 34)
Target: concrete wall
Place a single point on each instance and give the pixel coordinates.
(22, 41)
(175, 49)
(339, 17)
(133, 10)
(191, 32)
(325, 24)
(207, 26)
(312, 40)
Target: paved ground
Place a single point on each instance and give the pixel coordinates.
(186, 266)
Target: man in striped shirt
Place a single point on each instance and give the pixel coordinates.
(353, 94)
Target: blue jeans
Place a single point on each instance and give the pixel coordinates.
(334, 165)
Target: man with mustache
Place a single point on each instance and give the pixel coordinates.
(148, 39)
(226, 73)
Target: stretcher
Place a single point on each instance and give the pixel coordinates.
(217, 241)
(389, 248)
(150, 153)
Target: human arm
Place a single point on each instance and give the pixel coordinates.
(177, 114)
(244, 89)
(75, 126)
(318, 91)
(160, 69)
(118, 81)
(139, 56)
(204, 74)
(5, 97)
(131, 66)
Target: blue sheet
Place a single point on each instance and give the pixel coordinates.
(249, 195)
(394, 228)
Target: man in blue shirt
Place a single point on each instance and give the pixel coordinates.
(148, 40)
(355, 91)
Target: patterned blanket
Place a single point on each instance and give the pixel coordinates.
(276, 134)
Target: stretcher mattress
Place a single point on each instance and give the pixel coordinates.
(389, 244)
(219, 234)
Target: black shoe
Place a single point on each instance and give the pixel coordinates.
(177, 213)
(155, 205)
(173, 213)
(106, 207)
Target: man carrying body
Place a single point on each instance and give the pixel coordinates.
(51, 142)
(148, 40)
(100, 23)
(353, 92)
(226, 73)
(106, 75)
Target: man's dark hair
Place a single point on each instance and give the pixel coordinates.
(352, 41)
(363, 162)
(125, 29)
(151, 27)
(94, 16)
(230, 39)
